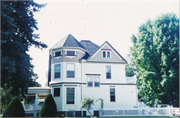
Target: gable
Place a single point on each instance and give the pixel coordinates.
(110, 55)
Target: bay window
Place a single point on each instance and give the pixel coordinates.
(57, 71)
(70, 70)
(70, 96)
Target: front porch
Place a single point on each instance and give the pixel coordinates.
(39, 93)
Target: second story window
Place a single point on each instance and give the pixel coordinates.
(93, 81)
(57, 54)
(70, 70)
(70, 53)
(57, 71)
(96, 81)
(90, 81)
(108, 72)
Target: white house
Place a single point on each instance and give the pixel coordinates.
(84, 69)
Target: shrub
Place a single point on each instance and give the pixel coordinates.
(14, 109)
(49, 107)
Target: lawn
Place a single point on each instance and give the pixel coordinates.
(132, 117)
(144, 117)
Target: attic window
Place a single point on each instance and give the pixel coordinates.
(71, 53)
(57, 54)
(106, 54)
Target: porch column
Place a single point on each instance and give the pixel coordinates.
(36, 102)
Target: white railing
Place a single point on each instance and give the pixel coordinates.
(31, 107)
(141, 112)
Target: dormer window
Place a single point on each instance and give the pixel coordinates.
(70, 53)
(106, 54)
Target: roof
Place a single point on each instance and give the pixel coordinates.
(41, 88)
(90, 47)
(68, 41)
(112, 48)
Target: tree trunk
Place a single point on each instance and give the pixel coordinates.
(89, 111)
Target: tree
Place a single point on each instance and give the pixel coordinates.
(49, 107)
(155, 53)
(6, 97)
(17, 35)
(86, 103)
(14, 109)
(129, 71)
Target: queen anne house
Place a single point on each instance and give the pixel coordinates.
(84, 69)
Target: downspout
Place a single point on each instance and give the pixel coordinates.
(81, 87)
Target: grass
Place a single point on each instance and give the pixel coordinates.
(144, 117)
(133, 117)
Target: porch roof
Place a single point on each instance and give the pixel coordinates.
(39, 90)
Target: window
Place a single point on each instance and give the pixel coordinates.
(108, 72)
(106, 54)
(57, 54)
(90, 81)
(70, 96)
(112, 94)
(70, 53)
(70, 71)
(96, 81)
(56, 92)
(57, 71)
(93, 81)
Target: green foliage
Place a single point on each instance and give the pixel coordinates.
(129, 71)
(86, 103)
(49, 107)
(6, 97)
(14, 109)
(29, 99)
(155, 53)
(17, 35)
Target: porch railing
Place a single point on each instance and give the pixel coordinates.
(31, 107)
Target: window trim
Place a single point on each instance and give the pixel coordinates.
(106, 72)
(71, 51)
(74, 96)
(114, 94)
(66, 70)
(54, 71)
(59, 91)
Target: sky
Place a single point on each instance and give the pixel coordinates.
(96, 20)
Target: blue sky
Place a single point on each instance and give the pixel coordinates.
(96, 20)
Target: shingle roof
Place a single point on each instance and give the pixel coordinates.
(68, 41)
(90, 47)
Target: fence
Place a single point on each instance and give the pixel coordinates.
(141, 112)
